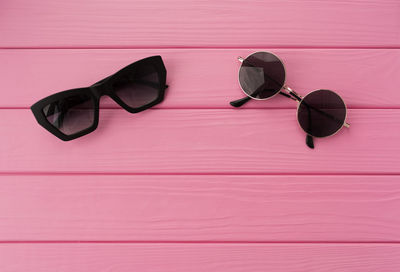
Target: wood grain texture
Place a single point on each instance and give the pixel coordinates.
(203, 141)
(199, 208)
(195, 185)
(195, 257)
(205, 78)
(226, 23)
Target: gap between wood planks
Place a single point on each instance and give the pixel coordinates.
(197, 242)
(193, 174)
(270, 47)
(117, 107)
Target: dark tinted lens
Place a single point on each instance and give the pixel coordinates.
(139, 88)
(262, 75)
(71, 114)
(321, 113)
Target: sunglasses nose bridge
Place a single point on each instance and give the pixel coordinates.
(99, 90)
(96, 91)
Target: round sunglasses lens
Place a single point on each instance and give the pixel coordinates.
(262, 75)
(321, 113)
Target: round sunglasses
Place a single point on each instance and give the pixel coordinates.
(321, 113)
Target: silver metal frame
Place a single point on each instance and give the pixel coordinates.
(344, 121)
(290, 92)
(242, 59)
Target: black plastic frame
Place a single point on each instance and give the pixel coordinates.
(96, 91)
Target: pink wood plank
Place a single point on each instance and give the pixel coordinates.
(204, 78)
(196, 258)
(199, 208)
(203, 141)
(160, 23)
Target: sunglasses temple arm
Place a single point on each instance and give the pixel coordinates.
(309, 141)
(309, 138)
(240, 102)
(294, 96)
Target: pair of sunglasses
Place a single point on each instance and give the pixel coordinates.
(73, 113)
(320, 113)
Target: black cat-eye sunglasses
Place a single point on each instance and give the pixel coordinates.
(321, 113)
(74, 113)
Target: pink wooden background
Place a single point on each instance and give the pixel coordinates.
(194, 185)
